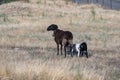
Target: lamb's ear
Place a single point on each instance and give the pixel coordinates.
(52, 27)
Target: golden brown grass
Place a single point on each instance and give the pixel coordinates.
(28, 51)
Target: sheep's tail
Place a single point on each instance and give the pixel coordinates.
(70, 41)
(67, 42)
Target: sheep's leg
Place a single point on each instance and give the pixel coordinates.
(65, 50)
(64, 43)
(61, 49)
(57, 49)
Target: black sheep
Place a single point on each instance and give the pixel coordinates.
(63, 38)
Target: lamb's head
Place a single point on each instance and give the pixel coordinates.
(69, 48)
(52, 27)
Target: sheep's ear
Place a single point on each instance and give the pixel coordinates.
(52, 27)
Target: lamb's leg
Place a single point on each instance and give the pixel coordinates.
(86, 53)
(71, 52)
(81, 52)
(57, 49)
(78, 53)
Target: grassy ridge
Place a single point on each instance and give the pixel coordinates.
(8, 1)
(28, 51)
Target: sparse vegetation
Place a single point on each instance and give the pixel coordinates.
(28, 51)
(114, 74)
(93, 13)
(4, 18)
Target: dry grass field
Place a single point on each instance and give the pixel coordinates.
(28, 51)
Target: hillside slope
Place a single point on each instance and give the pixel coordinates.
(28, 51)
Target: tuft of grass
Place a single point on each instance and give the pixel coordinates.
(71, 21)
(114, 74)
(5, 17)
(93, 12)
(38, 2)
(78, 76)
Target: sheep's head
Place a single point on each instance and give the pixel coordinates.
(52, 27)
